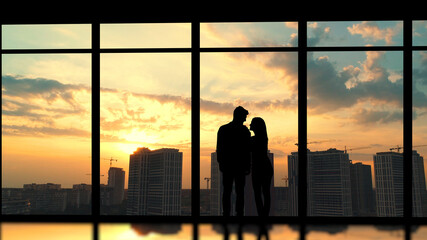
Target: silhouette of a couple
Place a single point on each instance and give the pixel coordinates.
(238, 155)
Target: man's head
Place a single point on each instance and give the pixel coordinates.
(239, 114)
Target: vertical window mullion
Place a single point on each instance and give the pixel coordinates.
(95, 124)
(195, 119)
(302, 125)
(407, 125)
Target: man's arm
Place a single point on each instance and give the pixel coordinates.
(219, 148)
(248, 154)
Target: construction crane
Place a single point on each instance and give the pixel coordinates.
(396, 148)
(346, 150)
(309, 143)
(111, 160)
(207, 182)
(90, 174)
(400, 147)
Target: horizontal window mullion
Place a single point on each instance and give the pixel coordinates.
(352, 49)
(419, 48)
(145, 50)
(249, 49)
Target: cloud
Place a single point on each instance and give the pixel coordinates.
(317, 34)
(15, 130)
(329, 88)
(38, 113)
(179, 101)
(129, 111)
(234, 35)
(293, 25)
(370, 30)
(369, 117)
(288, 64)
(40, 88)
(25, 112)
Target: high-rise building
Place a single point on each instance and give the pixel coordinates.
(389, 184)
(116, 180)
(216, 187)
(363, 199)
(419, 197)
(388, 168)
(45, 198)
(328, 183)
(293, 183)
(155, 180)
(12, 202)
(79, 196)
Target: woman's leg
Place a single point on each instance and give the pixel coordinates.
(256, 185)
(267, 197)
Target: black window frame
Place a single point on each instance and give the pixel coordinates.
(302, 220)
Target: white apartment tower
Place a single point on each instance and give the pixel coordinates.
(116, 180)
(155, 182)
(419, 192)
(388, 168)
(328, 183)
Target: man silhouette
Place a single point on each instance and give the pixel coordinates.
(233, 155)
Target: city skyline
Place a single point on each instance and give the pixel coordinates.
(204, 184)
(156, 177)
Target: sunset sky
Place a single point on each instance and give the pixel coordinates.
(354, 98)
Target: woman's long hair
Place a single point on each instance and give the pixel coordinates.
(259, 124)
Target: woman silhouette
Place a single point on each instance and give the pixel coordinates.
(262, 170)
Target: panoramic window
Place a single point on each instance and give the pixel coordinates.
(145, 125)
(419, 146)
(356, 98)
(341, 83)
(362, 33)
(266, 85)
(355, 123)
(46, 116)
(51, 36)
(419, 33)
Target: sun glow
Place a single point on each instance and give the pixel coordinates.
(128, 148)
(140, 136)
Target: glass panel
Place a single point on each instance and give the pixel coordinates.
(146, 134)
(55, 36)
(419, 37)
(353, 232)
(266, 85)
(46, 134)
(419, 144)
(134, 231)
(156, 35)
(249, 34)
(273, 232)
(366, 33)
(355, 132)
(46, 231)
